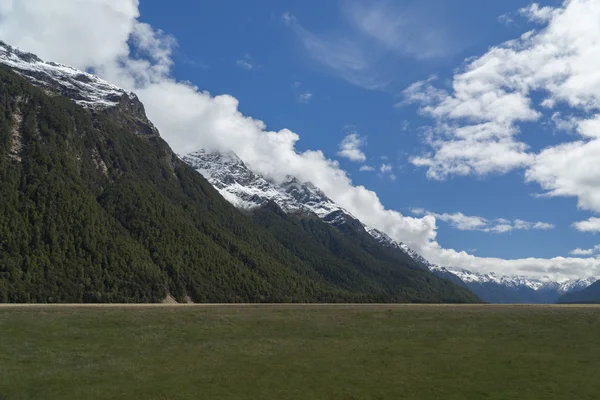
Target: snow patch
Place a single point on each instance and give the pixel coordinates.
(85, 89)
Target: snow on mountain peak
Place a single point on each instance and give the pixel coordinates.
(515, 281)
(237, 183)
(85, 89)
(248, 190)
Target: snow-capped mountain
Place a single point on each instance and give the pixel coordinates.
(516, 281)
(237, 183)
(85, 89)
(247, 190)
(495, 288)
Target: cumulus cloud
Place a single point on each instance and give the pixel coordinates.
(107, 36)
(464, 222)
(589, 225)
(480, 115)
(586, 252)
(350, 148)
(387, 170)
(366, 168)
(74, 32)
(538, 14)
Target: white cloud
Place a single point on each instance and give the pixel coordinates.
(340, 55)
(506, 19)
(305, 97)
(246, 62)
(385, 168)
(409, 30)
(586, 252)
(350, 148)
(96, 33)
(569, 169)
(367, 168)
(366, 48)
(538, 14)
(568, 124)
(464, 222)
(59, 31)
(491, 95)
(457, 220)
(589, 225)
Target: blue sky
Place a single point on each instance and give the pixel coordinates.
(469, 129)
(245, 49)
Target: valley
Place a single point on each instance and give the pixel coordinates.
(299, 351)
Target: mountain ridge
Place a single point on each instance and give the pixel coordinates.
(495, 288)
(248, 190)
(96, 207)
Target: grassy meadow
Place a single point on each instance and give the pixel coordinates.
(300, 352)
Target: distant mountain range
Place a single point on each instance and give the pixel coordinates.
(588, 295)
(514, 289)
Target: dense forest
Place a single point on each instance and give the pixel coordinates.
(95, 207)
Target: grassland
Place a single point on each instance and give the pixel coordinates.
(300, 352)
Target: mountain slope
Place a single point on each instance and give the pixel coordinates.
(588, 295)
(309, 216)
(249, 191)
(95, 207)
(492, 288)
(357, 262)
(92, 212)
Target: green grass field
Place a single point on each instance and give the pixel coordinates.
(300, 352)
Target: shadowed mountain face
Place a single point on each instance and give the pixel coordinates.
(588, 295)
(95, 207)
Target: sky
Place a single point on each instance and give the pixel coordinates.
(469, 130)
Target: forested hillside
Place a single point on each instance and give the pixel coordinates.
(356, 261)
(95, 207)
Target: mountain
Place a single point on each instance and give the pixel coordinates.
(299, 212)
(514, 289)
(96, 207)
(248, 191)
(588, 295)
